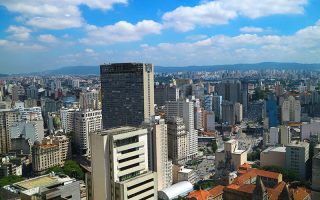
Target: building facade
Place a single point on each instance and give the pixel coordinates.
(297, 155)
(158, 157)
(120, 165)
(85, 123)
(127, 94)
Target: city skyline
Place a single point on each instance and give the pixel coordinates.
(38, 35)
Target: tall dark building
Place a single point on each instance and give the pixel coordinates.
(230, 90)
(127, 94)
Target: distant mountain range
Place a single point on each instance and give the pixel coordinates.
(95, 70)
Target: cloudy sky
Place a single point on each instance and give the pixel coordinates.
(37, 35)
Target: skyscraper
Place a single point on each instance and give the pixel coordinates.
(291, 110)
(228, 113)
(127, 93)
(120, 165)
(177, 141)
(7, 119)
(158, 156)
(185, 110)
(217, 107)
(86, 122)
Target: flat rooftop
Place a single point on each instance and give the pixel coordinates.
(41, 182)
(118, 130)
(275, 149)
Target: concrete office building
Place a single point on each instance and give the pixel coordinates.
(230, 90)
(67, 119)
(90, 100)
(32, 130)
(7, 118)
(291, 110)
(85, 123)
(198, 118)
(308, 129)
(45, 156)
(163, 93)
(127, 94)
(177, 141)
(185, 110)
(274, 135)
(238, 109)
(228, 113)
(285, 135)
(64, 144)
(76, 83)
(315, 186)
(209, 123)
(32, 92)
(273, 156)
(158, 156)
(297, 155)
(229, 158)
(120, 165)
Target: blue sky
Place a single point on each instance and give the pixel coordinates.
(36, 35)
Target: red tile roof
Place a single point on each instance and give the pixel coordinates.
(216, 191)
(199, 195)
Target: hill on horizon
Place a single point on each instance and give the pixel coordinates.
(95, 70)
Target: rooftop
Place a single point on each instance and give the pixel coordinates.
(118, 130)
(298, 144)
(275, 149)
(42, 181)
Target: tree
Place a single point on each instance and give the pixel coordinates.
(288, 175)
(8, 180)
(70, 168)
(214, 146)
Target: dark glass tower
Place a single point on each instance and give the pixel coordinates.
(127, 94)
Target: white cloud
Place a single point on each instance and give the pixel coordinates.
(47, 38)
(251, 29)
(58, 14)
(87, 50)
(19, 32)
(19, 46)
(121, 31)
(302, 46)
(196, 37)
(185, 18)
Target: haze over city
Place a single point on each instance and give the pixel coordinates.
(38, 35)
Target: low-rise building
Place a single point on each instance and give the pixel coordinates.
(230, 158)
(46, 187)
(273, 156)
(45, 156)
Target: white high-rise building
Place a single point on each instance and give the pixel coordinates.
(285, 135)
(291, 110)
(177, 141)
(32, 130)
(67, 119)
(90, 100)
(312, 128)
(274, 136)
(185, 110)
(158, 154)
(120, 165)
(238, 109)
(86, 122)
